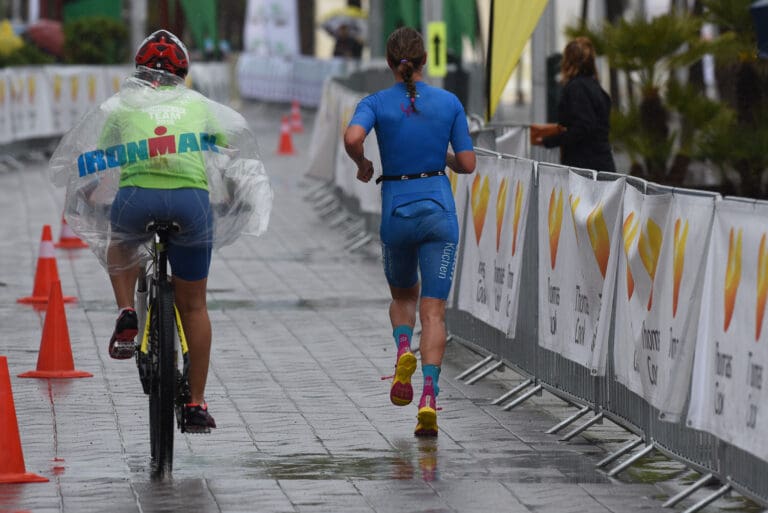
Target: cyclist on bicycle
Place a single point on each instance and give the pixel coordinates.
(172, 187)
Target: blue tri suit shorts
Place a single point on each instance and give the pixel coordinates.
(189, 250)
(420, 237)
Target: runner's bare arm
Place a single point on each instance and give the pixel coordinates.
(354, 137)
(462, 162)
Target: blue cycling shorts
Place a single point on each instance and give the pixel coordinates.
(420, 238)
(189, 250)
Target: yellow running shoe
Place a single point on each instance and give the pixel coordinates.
(401, 392)
(427, 417)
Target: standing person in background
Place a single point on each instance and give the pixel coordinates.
(347, 44)
(414, 123)
(583, 112)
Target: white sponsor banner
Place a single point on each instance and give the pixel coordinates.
(367, 194)
(728, 397)
(74, 91)
(325, 134)
(271, 28)
(480, 238)
(658, 299)
(211, 79)
(493, 243)
(579, 232)
(114, 76)
(510, 241)
(6, 133)
(30, 103)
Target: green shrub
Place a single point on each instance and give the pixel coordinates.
(25, 56)
(95, 40)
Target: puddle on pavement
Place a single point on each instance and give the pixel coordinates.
(420, 460)
(421, 464)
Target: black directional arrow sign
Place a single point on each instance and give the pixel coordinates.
(436, 38)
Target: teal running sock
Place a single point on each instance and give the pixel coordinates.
(402, 333)
(432, 371)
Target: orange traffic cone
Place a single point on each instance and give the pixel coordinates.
(297, 126)
(12, 468)
(46, 272)
(55, 357)
(68, 239)
(286, 145)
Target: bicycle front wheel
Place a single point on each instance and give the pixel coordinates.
(163, 387)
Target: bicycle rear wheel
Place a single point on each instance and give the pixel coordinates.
(163, 388)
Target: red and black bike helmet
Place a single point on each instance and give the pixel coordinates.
(162, 50)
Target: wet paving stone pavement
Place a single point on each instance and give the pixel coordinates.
(301, 340)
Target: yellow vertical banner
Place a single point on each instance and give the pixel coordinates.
(512, 23)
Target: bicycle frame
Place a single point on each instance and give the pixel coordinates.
(157, 355)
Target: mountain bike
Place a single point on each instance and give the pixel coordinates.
(162, 373)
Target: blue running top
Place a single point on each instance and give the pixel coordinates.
(419, 229)
(414, 142)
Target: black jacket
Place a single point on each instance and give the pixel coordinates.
(584, 110)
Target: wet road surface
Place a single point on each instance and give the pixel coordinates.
(301, 339)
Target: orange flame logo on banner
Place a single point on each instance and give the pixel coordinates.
(516, 218)
(57, 87)
(599, 238)
(91, 88)
(555, 221)
(31, 87)
(732, 276)
(453, 178)
(479, 199)
(17, 90)
(574, 202)
(762, 286)
(630, 234)
(73, 82)
(678, 261)
(649, 248)
(115, 84)
(501, 206)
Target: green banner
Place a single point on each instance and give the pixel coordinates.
(75, 9)
(201, 20)
(461, 21)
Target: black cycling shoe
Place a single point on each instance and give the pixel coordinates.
(197, 419)
(121, 345)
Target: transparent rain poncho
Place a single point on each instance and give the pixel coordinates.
(90, 157)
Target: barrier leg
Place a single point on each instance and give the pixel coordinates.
(519, 388)
(707, 500)
(483, 374)
(618, 454)
(332, 207)
(688, 491)
(339, 219)
(594, 420)
(324, 201)
(354, 227)
(522, 398)
(359, 243)
(474, 368)
(570, 420)
(631, 460)
(315, 192)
